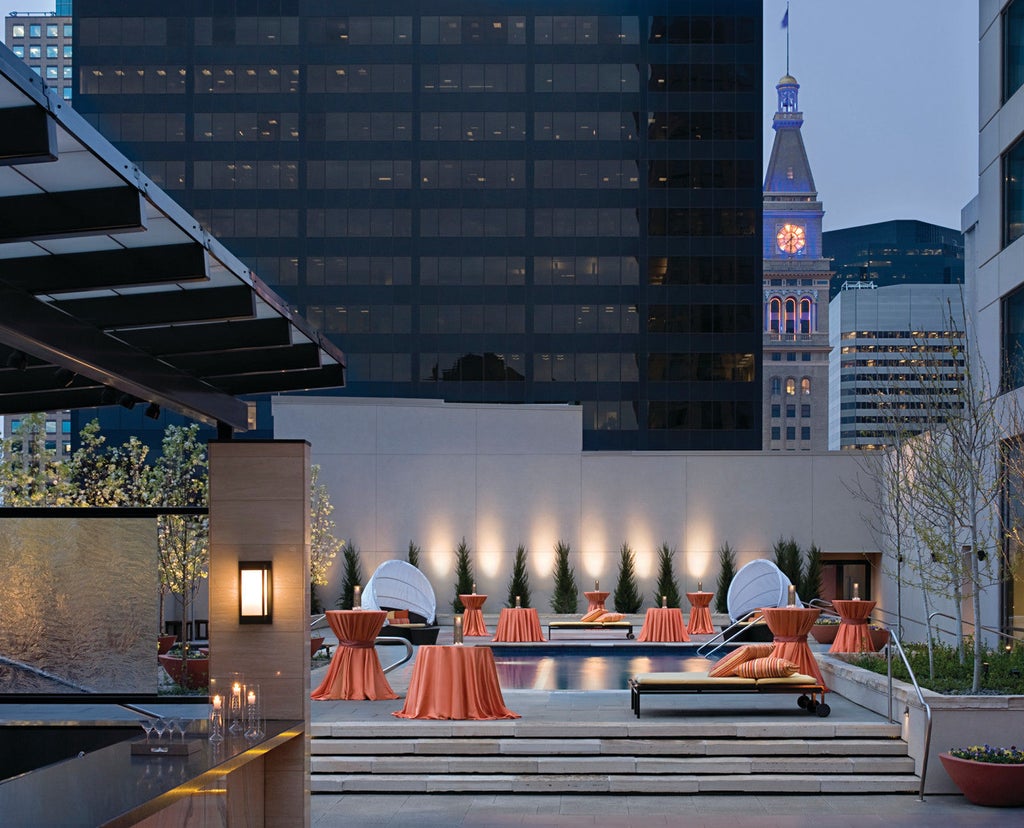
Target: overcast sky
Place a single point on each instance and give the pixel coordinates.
(889, 92)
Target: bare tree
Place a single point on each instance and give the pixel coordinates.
(323, 545)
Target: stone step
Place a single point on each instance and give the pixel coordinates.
(574, 765)
(614, 783)
(608, 747)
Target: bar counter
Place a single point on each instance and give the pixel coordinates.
(111, 787)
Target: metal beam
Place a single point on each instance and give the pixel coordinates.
(218, 336)
(163, 307)
(27, 136)
(71, 213)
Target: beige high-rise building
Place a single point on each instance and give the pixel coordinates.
(796, 282)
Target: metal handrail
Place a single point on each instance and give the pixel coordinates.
(388, 640)
(751, 617)
(894, 639)
(992, 630)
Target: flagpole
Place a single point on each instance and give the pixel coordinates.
(787, 37)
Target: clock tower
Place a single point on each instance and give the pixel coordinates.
(796, 284)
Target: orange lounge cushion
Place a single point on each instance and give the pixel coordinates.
(609, 617)
(398, 616)
(767, 667)
(593, 615)
(727, 666)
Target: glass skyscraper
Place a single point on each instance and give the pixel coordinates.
(480, 201)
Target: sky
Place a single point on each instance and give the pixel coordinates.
(889, 92)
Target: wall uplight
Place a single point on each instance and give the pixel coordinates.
(255, 592)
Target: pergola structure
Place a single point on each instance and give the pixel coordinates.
(111, 292)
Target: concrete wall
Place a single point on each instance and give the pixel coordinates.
(431, 472)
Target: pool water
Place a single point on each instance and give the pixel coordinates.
(590, 667)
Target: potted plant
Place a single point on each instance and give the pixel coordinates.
(879, 636)
(164, 643)
(192, 673)
(825, 629)
(987, 775)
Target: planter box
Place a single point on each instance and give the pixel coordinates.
(198, 671)
(956, 720)
(824, 633)
(986, 783)
(164, 643)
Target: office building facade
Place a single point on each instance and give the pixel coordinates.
(515, 202)
(46, 43)
(796, 346)
(901, 252)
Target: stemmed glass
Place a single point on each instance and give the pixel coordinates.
(160, 726)
(172, 727)
(147, 725)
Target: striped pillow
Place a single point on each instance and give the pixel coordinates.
(593, 615)
(727, 666)
(608, 617)
(769, 667)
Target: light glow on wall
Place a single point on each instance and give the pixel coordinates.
(698, 564)
(698, 536)
(593, 563)
(542, 561)
(441, 562)
(643, 562)
(489, 563)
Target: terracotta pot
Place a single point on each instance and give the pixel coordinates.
(879, 638)
(986, 783)
(164, 643)
(824, 633)
(314, 644)
(197, 673)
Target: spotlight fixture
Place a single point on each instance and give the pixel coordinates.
(127, 401)
(17, 359)
(153, 411)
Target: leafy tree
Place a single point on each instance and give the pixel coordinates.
(519, 583)
(183, 549)
(352, 578)
(726, 572)
(627, 595)
(810, 585)
(463, 575)
(89, 467)
(323, 545)
(414, 554)
(667, 584)
(30, 473)
(789, 560)
(565, 597)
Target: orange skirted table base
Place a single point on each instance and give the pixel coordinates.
(663, 624)
(596, 600)
(853, 635)
(473, 617)
(700, 615)
(355, 671)
(789, 626)
(454, 683)
(518, 624)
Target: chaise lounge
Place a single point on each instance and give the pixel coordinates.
(626, 626)
(683, 683)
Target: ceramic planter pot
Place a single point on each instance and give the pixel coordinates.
(196, 674)
(164, 643)
(824, 633)
(314, 644)
(879, 638)
(986, 783)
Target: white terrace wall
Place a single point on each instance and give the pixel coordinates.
(433, 473)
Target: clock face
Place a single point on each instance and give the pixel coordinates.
(791, 238)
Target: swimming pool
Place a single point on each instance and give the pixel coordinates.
(590, 666)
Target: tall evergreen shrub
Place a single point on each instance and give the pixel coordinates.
(667, 585)
(463, 575)
(810, 586)
(565, 597)
(627, 595)
(414, 554)
(789, 559)
(726, 572)
(353, 575)
(519, 583)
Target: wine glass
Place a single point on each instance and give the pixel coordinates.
(183, 727)
(147, 725)
(160, 726)
(172, 727)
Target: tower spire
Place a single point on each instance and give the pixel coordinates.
(785, 25)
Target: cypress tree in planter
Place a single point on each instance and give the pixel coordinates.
(667, 585)
(810, 586)
(565, 598)
(414, 554)
(789, 560)
(519, 584)
(353, 576)
(726, 572)
(627, 596)
(463, 576)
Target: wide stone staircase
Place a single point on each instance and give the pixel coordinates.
(652, 756)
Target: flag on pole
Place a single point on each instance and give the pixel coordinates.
(785, 19)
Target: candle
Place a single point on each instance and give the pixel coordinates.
(518, 603)
(856, 591)
(357, 597)
(597, 585)
(251, 698)
(236, 689)
(217, 702)
(664, 601)
(474, 587)
(457, 636)
(792, 595)
(700, 586)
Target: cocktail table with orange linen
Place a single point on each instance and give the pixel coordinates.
(355, 671)
(663, 624)
(853, 635)
(518, 624)
(454, 682)
(789, 626)
(473, 617)
(700, 615)
(596, 599)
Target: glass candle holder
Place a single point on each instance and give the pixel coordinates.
(457, 631)
(217, 719)
(664, 602)
(792, 596)
(519, 604)
(357, 597)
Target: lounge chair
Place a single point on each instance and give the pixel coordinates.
(626, 626)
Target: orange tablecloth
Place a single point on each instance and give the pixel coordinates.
(789, 626)
(700, 615)
(473, 618)
(355, 671)
(596, 599)
(663, 624)
(518, 624)
(454, 683)
(853, 635)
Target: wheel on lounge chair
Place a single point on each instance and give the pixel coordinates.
(630, 635)
(823, 710)
(803, 702)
